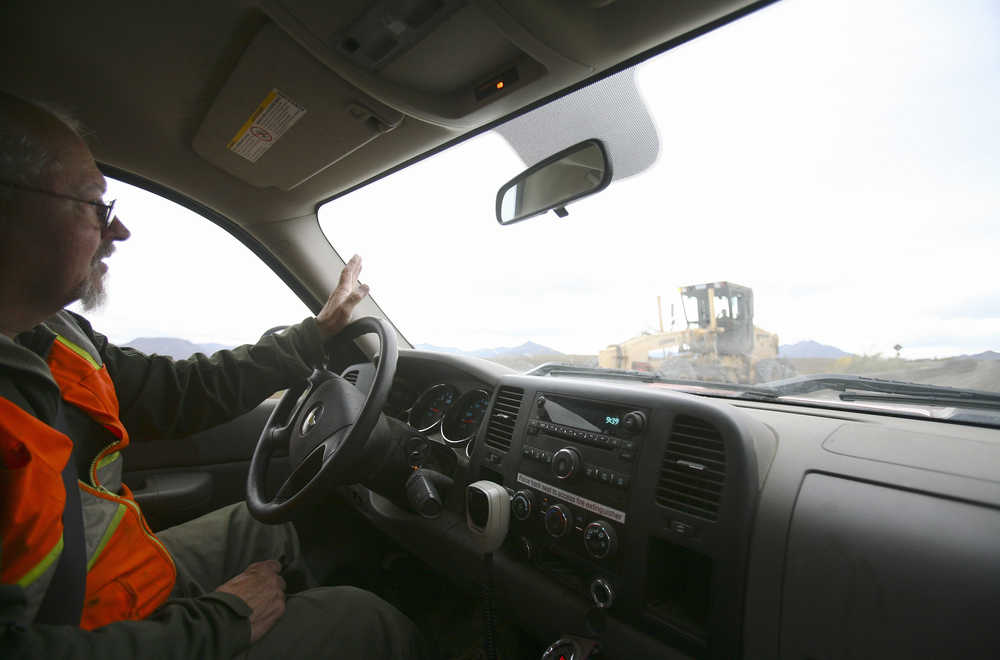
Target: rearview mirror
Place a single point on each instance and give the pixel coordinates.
(576, 172)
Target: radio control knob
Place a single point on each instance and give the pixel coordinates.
(634, 422)
(565, 462)
(522, 504)
(600, 540)
(558, 520)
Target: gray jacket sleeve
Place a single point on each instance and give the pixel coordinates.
(160, 397)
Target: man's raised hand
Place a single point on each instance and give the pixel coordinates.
(336, 313)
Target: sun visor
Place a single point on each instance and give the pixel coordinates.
(611, 110)
(282, 117)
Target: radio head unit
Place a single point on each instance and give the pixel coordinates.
(587, 416)
(575, 472)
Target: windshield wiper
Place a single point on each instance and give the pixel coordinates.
(886, 391)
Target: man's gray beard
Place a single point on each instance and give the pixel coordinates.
(92, 294)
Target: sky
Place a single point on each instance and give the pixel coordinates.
(840, 158)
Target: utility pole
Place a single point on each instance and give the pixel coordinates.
(659, 310)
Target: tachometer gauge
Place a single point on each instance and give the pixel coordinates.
(431, 406)
(462, 421)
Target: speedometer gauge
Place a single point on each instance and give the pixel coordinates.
(431, 406)
(462, 421)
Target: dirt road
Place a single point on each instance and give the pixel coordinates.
(954, 372)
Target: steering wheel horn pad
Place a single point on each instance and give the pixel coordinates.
(330, 409)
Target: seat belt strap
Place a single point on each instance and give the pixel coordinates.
(63, 601)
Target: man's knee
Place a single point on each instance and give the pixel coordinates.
(343, 622)
(367, 613)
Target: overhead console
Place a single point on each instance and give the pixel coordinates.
(638, 500)
(462, 63)
(445, 62)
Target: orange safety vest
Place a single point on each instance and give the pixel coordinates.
(129, 572)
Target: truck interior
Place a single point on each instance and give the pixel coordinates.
(851, 510)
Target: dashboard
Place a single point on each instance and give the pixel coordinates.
(663, 524)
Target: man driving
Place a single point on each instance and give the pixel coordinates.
(81, 573)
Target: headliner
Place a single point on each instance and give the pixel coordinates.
(143, 78)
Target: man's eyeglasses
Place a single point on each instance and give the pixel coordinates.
(105, 212)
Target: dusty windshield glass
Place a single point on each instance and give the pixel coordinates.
(811, 189)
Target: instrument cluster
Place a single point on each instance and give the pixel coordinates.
(457, 415)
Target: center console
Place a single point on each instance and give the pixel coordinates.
(572, 485)
(636, 500)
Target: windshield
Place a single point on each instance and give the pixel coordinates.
(810, 189)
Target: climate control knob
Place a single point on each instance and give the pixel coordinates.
(522, 504)
(558, 520)
(565, 462)
(600, 540)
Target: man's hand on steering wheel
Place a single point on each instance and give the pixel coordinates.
(336, 313)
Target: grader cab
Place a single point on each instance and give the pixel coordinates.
(725, 311)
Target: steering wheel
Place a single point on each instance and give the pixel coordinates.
(326, 423)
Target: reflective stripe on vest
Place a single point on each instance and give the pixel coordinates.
(129, 572)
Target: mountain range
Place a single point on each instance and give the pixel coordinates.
(172, 346)
(810, 349)
(985, 355)
(802, 349)
(527, 348)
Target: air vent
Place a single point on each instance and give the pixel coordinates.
(503, 418)
(694, 469)
(352, 376)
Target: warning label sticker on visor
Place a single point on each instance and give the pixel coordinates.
(275, 115)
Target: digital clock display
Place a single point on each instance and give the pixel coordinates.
(585, 415)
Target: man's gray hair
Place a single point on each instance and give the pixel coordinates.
(23, 156)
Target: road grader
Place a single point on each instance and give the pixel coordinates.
(718, 343)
